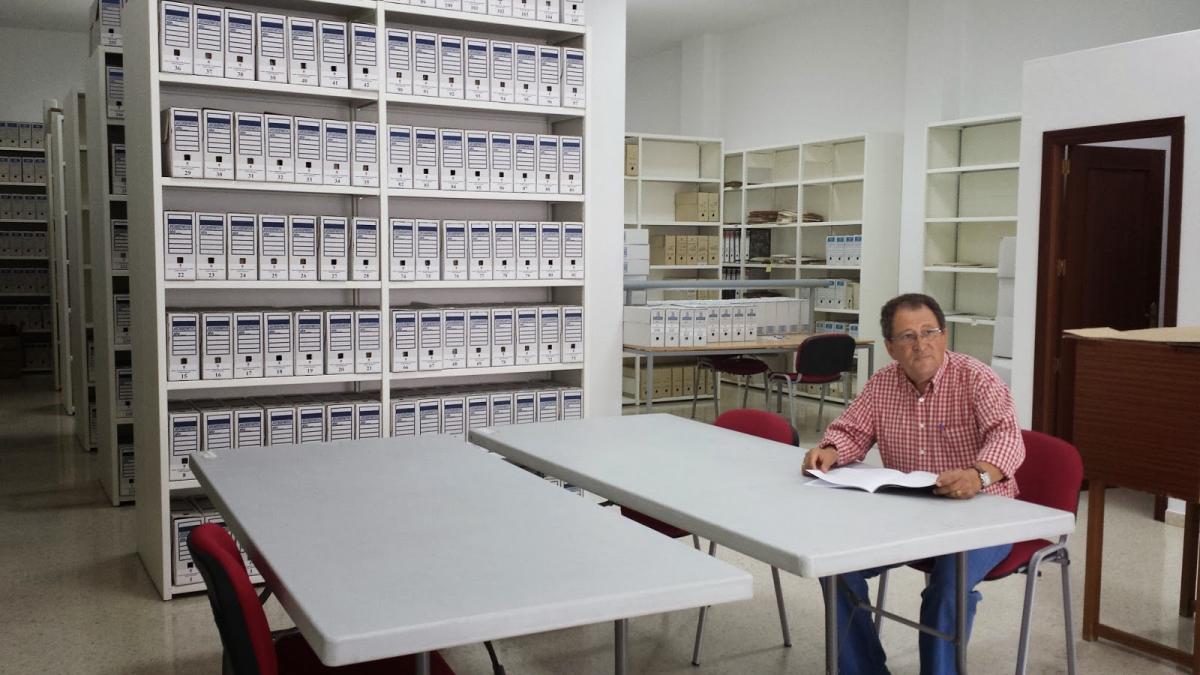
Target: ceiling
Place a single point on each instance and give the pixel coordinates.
(68, 15)
(656, 25)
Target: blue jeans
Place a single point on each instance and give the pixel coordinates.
(859, 651)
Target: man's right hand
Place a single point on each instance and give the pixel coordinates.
(821, 459)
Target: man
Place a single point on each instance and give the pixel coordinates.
(931, 410)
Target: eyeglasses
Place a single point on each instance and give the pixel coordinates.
(910, 338)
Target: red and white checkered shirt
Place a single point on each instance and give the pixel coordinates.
(966, 416)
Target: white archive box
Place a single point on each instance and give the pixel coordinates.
(525, 163)
(216, 428)
(108, 22)
(671, 327)
(281, 423)
(217, 346)
(281, 153)
(477, 171)
(335, 68)
(475, 6)
(183, 346)
(211, 249)
(477, 411)
(124, 391)
(525, 334)
(425, 158)
(311, 427)
(248, 344)
(335, 249)
(548, 405)
(339, 422)
(451, 159)
(500, 7)
(249, 147)
(404, 418)
(501, 409)
(278, 355)
(429, 339)
(368, 422)
(455, 250)
(549, 148)
(573, 12)
(425, 63)
(500, 161)
(399, 61)
(179, 262)
(570, 177)
(524, 407)
(309, 147)
(274, 242)
(114, 92)
(450, 66)
(218, 145)
(504, 250)
(122, 319)
(479, 338)
(117, 169)
(365, 169)
(429, 416)
(501, 59)
(528, 263)
(428, 246)
(549, 250)
(302, 51)
(208, 41)
(572, 403)
(184, 519)
(400, 157)
(454, 339)
(119, 250)
(525, 9)
(404, 341)
(365, 249)
(242, 244)
(549, 74)
(335, 148)
(271, 61)
(478, 86)
(303, 238)
(574, 86)
(239, 45)
(644, 326)
(572, 334)
(549, 334)
(686, 327)
(525, 71)
(310, 344)
(183, 156)
(175, 38)
(481, 253)
(364, 59)
(368, 342)
(572, 251)
(248, 428)
(403, 256)
(339, 343)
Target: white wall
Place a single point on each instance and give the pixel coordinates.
(38, 64)
(653, 86)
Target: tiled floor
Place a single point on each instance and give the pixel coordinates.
(74, 597)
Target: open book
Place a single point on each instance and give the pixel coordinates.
(872, 478)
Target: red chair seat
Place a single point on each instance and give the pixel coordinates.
(736, 365)
(810, 379)
(297, 658)
(1016, 559)
(654, 523)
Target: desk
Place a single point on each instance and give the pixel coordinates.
(383, 547)
(784, 344)
(748, 494)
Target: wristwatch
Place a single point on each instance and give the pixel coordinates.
(985, 479)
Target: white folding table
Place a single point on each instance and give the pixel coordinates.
(384, 547)
(749, 494)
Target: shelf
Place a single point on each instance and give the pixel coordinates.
(831, 310)
(977, 121)
(13, 294)
(438, 18)
(210, 184)
(685, 267)
(21, 184)
(253, 382)
(475, 372)
(952, 269)
(122, 348)
(30, 151)
(483, 283)
(35, 331)
(1006, 166)
(203, 82)
(35, 370)
(118, 198)
(19, 258)
(269, 285)
(626, 400)
(23, 220)
(771, 186)
(668, 179)
(974, 219)
(833, 223)
(184, 485)
(494, 196)
(557, 113)
(664, 223)
(123, 420)
(767, 226)
(831, 267)
(834, 180)
(120, 273)
(781, 266)
(971, 319)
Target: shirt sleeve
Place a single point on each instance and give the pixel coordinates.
(997, 421)
(853, 433)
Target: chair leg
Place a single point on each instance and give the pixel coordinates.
(792, 401)
(783, 623)
(778, 396)
(766, 392)
(745, 390)
(696, 541)
(879, 598)
(497, 669)
(716, 393)
(1064, 562)
(1026, 616)
(695, 388)
(821, 405)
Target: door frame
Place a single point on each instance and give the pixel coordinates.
(1051, 229)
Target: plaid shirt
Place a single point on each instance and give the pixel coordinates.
(965, 417)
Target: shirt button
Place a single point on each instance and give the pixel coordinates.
(922, 452)
(922, 425)
(921, 400)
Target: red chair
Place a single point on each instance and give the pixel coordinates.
(820, 359)
(246, 636)
(742, 366)
(1051, 475)
(758, 423)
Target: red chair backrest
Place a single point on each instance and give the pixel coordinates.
(825, 354)
(759, 423)
(1052, 472)
(240, 619)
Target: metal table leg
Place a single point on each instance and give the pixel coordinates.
(960, 633)
(621, 629)
(831, 629)
(423, 663)
(649, 381)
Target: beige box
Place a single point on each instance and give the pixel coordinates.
(702, 244)
(690, 207)
(632, 159)
(693, 249)
(711, 203)
(664, 249)
(676, 381)
(714, 250)
(689, 386)
(662, 382)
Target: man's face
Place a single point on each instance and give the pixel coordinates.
(919, 356)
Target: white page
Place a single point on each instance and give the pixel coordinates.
(871, 478)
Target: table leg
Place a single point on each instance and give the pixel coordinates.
(621, 630)
(831, 629)
(960, 631)
(649, 382)
(1094, 561)
(1187, 580)
(423, 663)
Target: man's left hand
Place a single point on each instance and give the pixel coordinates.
(958, 483)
